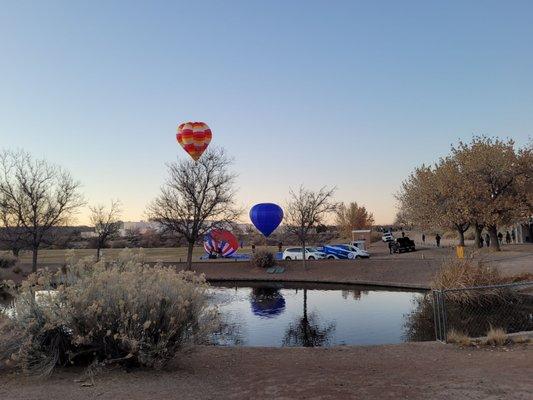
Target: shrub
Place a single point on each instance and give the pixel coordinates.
(458, 338)
(124, 312)
(263, 259)
(7, 261)
(467, 273)
(496, 337)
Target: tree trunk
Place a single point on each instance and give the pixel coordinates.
(305, 304)
(190, 248)
(97, 253)
(493, 233)
(303, 254)
(35, 251)
(478, 229)
(461, 235)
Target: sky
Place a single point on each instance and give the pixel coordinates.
(348, 94)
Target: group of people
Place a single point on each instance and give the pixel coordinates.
(437, 239)
(508, 238)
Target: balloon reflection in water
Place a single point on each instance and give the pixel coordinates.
(267, 302)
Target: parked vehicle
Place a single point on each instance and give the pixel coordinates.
(359, 252)
(333, 252)
(387, 237)
(295, 253)
(403, 244)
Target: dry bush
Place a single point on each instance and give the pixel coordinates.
(496, 337)
(263, 259)
(458, 338)
(7, 261)
(124, 312)
(468, 273)
(463, 273)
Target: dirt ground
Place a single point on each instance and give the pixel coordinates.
(406, 371)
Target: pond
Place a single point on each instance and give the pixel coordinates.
(313, 315)
(277, 315)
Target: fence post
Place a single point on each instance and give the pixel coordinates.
(439, 315)
(444, 317)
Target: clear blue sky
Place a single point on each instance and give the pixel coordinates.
(352, 94)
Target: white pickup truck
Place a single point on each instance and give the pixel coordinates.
(387, 237)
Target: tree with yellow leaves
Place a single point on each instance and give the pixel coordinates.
(352, 216)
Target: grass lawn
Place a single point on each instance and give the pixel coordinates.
(175, 254)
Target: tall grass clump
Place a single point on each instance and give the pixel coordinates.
(468, 273)
(121, 312)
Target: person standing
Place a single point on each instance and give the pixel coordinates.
(280, 246)
(437, 239)
(513, 236)
(391, 250)
(487, 239)
(481, 240)
(500, 237)
(508, 238)
(423, 238)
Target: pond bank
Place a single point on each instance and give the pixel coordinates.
(410, 370)
(397, 273)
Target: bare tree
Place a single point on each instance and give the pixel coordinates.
(305, 210)
(106, 223)
(11, 233)
(197, 197)
(36, 194)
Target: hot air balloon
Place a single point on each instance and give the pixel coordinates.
(220, 242)
(267, 302)
(194, 137)
(266, 217)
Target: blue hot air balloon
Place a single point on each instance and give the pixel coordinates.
(266, 217)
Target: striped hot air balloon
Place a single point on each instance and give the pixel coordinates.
(220, 242)
(194, 137)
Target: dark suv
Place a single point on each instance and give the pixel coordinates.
(403, 244)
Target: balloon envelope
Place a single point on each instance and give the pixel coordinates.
(267, 302)
(266, 217)
(194, 137)
(221, 242)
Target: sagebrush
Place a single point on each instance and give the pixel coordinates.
(7, 261)
(263, 259)
(120, 312)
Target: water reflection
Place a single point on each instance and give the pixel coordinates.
(260, 314)
(307, 330)
(266, 302)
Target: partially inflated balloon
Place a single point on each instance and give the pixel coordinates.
(221, 242)
(266, 217)
(194, 137)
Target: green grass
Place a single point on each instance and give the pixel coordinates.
(152, 254)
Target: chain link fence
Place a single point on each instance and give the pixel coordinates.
(474, 311)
